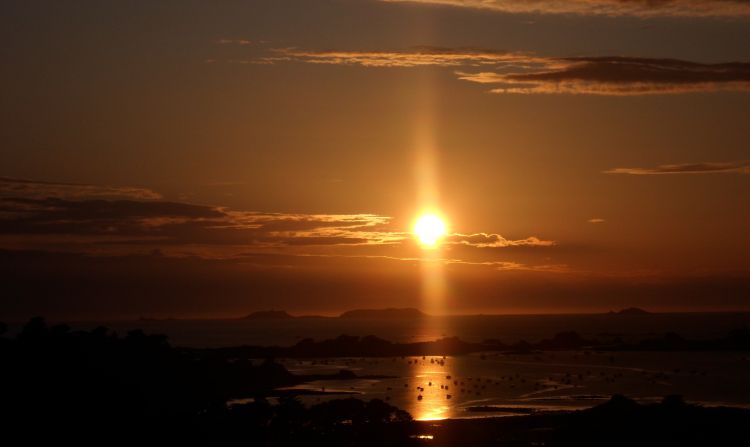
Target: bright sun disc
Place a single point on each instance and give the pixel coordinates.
(429, 228)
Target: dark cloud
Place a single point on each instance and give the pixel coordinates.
(82, 217)
(739, 167)
(523, 73)
(635, 8)
(624, 76)
(128, 221)
(33, 188)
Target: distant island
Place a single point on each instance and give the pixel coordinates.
(630, 311)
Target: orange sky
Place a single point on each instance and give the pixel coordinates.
(187, 159)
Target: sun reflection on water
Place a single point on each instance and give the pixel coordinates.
(434, 385)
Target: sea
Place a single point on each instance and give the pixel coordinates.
(471, 328)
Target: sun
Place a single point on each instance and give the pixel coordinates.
(429, 228)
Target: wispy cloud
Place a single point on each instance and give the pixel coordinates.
(596, 220)
(740, 167)
(494, 265)
(234, 42)
(414, 57)
(33, 188)
(523, 73)
(509, 266)
(612, 8)
(176, 223)
(485, 240)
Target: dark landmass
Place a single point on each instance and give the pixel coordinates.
(735, 340)
(371, 346)
(618, 422)
(60, 379)
(294, 392)
(346, 346)
(630, 311)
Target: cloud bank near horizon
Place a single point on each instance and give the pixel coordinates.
(57, 216)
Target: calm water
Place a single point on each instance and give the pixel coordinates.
(551, 381)
(213, 333)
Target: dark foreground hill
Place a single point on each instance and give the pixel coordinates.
(618, 422)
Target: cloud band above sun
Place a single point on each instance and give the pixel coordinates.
(611, 8)
(524, 73)
(616, 76)
(738, 167)
(14, 187)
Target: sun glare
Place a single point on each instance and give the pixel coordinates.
(429, 228)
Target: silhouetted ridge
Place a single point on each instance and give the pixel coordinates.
(372, 346)
(631, 311)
